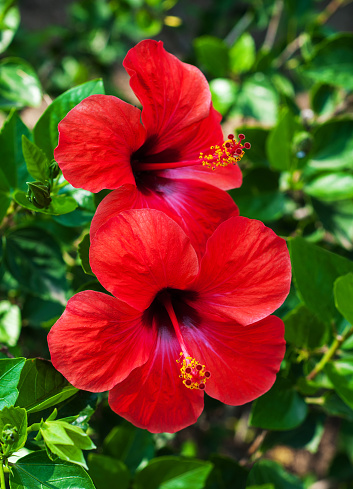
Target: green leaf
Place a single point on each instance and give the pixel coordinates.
(331, 187)
(37, 471)
(83, 251)
(331, 62)
(257, 136)
(332, 146)
(305, 330)
(10, 22)
(45, 132)
(10, 323)
(224, 93)
(129, 444)
(10, 370)
(242, 54)
(324, 99)
(340, 374)
(258, 99)
(36, 161)
(213, 54)
(12, 162)
(34, 259)
(343, 292)
(59, 204)
(13, 427)
(281, 408)
(19, 84)
(314, 271)
(226, 473)
(279, 142)
(108, 472)
(5, 201)
(170, 472)
(41, 386)
(269, 472)
(336, 218)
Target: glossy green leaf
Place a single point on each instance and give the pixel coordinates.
(224, 93)
(269, 472)
(34, 259)
(59, 204)
(41, 386)
(45, 132)
(305, 330)
(170, 472)
(10, 22)
(343, 292)
(314, 271)
(226, 473)
(10, 371)
(83, 251)
(12, 162)
(281, 408)
(13, 428)
(279, 142)
(19, 84)
(336, 218)
(107, 472)
(37, 162)
(340, 374)
(332, 146)
(242, 54)
(37, 471)
(257, 137)
(324, 99)
(332, 62)
(213, 54)
(331, 187)
(129, 444)
(10, 323)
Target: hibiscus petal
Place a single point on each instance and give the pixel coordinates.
(245, 273)
(174, 95)
(98, 341)
(96, 141)
(197, 207)
(153, 396)
(140, 252)
(243, 360)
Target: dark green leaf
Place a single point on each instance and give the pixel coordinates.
(257, 136)
(213, 54)
(343, 292)
(59, 204)
(242, 54)
(83, 251)
(226, 473)
(12, 162)
(37, 471)
(279, 142)
(267, 471)
(224, 93)
(340, 373)
(34, 259)
(108, 472)
(331, 187)
(10, 22)
(10, 323)
(281, 408)
(305, 330)
(332, 62)
(41, 386)
(5, 201)
(315, 271)
(332, 146)
(336, 218)
(37, 162)
(10, 371)
(19, 84)
(167, 472)
(46, 130)
(324, 99)
(13, 427)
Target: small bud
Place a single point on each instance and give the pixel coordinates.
(39, 194)
(54, 169)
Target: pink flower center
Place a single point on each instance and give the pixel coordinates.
(194, 374)
(229, 153)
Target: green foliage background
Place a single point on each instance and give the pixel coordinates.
(279, 71)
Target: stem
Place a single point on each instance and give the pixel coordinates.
(2, 476)
(239, 28)
(273, 26)
(169, 307)
(338, 341)
(33, 427)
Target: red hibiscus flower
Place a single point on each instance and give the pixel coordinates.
(159, 157)
(175, 327)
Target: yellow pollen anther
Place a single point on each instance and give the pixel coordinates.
(229, 153)
(194, 374)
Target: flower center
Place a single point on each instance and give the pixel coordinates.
(229, 153)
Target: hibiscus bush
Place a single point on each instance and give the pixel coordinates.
(176, 296)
